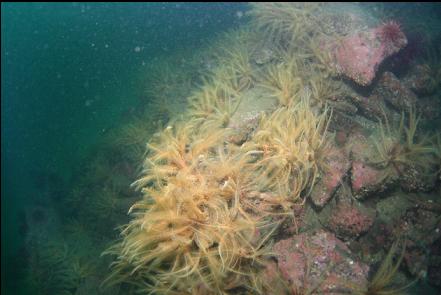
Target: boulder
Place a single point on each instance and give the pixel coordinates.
(359, 55)
(394, 92)
(338, 165)
(319, 261)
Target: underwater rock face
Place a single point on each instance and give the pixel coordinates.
(349, 221)
(363, 176)
(366, 180)
(358, 146)
(359, 55)
(338, 166)
(243, 127)
(246, 118)
(293, 225)
(326, 260)
(271, 277)
(413, 179)
(395, 92)
(370, 107)
(423, 227)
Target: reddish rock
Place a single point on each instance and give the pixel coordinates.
(319, 261)
(395, 92)
(363, 176)
(292, 259)
(349, 221)
(337, 167)
(272, 282)
(359, 55)
(367, 179)
(358, 147)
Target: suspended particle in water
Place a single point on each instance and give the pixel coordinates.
(137, 49)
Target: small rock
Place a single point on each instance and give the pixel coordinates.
(414, 179)
(359, 147)
(367, 180)
(337, 167)
(395, 92)
(246, 117)
(371, 107)
(263, 56)
(243, 127)
(349, 221)
(270, 279)
(319, 261)
(419, 225)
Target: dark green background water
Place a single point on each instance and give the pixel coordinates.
(68, 71)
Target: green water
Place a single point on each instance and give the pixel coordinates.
(69, 70)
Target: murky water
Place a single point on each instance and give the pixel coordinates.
(231, 132)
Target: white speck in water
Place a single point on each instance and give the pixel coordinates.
(106, 46)
(239, 14)
(137, 49)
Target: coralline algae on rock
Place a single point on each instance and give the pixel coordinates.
(319, 260)
(359, 55)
